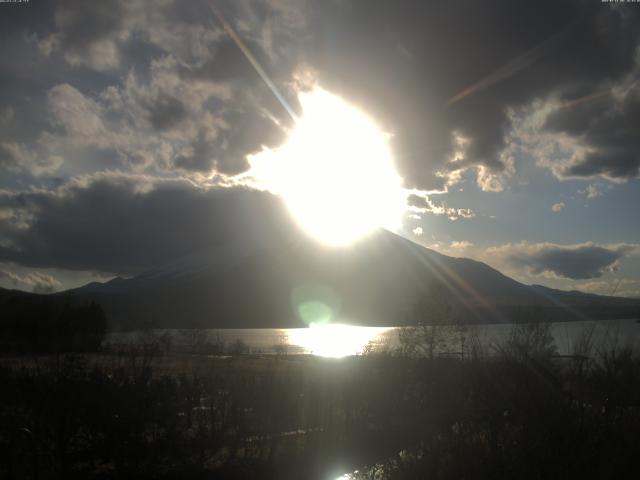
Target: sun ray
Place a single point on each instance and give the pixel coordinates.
(511, 68)
(254, 62)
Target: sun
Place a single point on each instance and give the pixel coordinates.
(335, 172)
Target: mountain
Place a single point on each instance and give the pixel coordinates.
(384, 279)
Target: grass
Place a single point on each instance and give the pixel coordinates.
(521, 413)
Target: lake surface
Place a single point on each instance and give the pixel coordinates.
(337, 340)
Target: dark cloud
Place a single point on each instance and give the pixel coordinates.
(577, 262)
(530, 49)
(225, 63)
(226, 152)
(83, 23)
(608, 130)
(121, 224)
(418, 201)
(9, 157)
(166, 112)
(87, 32)
(257, 130)
(402, 61)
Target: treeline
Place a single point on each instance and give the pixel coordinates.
(49, 323)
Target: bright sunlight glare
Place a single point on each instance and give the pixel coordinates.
(335, 172)
(334, 340)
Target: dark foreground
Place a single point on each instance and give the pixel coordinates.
(523, 413)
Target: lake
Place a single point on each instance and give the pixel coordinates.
(337, 340)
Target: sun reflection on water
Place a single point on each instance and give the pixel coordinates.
(334, 340)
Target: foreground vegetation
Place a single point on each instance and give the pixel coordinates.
(518, 412)
(49, 323)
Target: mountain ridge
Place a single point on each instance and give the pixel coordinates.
(381, 280)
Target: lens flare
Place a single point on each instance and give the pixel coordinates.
(315, 304)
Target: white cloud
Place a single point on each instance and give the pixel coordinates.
(79, 115)
(557, 207)
(461, 245)
(592, 191)
(419, 203)
(148, 123)
(495, 181)
(487, 179)
(101, 55)
(457, 248)
(16, 157)
(37, 281)
(557, 151)
(577, 261)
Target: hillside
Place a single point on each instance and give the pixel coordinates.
(382, 280)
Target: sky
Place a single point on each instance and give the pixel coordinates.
(127, 129)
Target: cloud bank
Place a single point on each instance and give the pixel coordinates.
(576, 262)
(124, 224)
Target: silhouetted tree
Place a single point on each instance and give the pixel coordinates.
(434, 329)
(50, 323)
